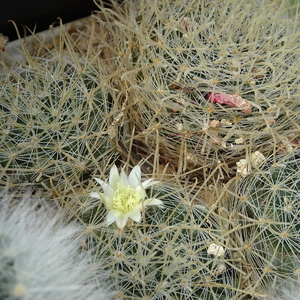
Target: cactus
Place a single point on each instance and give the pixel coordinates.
(205, 82)
(267, 208)
(188, 248)
(198, 88)
(165, 256)
(42, 257)
(200, 91)
(54, 110)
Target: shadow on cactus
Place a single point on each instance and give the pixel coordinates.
(54, 117)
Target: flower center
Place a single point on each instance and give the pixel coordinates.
(125, 199)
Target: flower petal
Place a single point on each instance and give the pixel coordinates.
(152, 201)
(114, 177)
(108, 201)
(112, 216)
(147, 183)
(107, 189)
(122, 220)
(123, 178)
(135, 215)
(101, 182)
(135, 177)
(110, 193)
(95, 195)
(141, 192)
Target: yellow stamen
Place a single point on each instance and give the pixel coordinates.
(125, 199)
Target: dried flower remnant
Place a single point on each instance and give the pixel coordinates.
(124, 196)
(257, 158)
(259, 72)
(179, 126)
(244, 166)
(186, 23)
(288, 145)
(231, 100)
(216, 250)
(214, 123)
(221, 269)
(226, 122)
(216, 140)
(239, 140)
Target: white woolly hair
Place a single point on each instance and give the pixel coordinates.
(288, 291)
(41, 257)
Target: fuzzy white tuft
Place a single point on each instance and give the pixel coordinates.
(40, 255)
(288, 290)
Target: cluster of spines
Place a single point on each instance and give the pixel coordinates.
(54, 118)
(175, 57)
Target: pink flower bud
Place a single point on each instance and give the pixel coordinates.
(230, 100)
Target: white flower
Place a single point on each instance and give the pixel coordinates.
(215, 250)
(124, 196)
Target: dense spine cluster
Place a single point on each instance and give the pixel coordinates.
(208, 81)
(54, 119)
